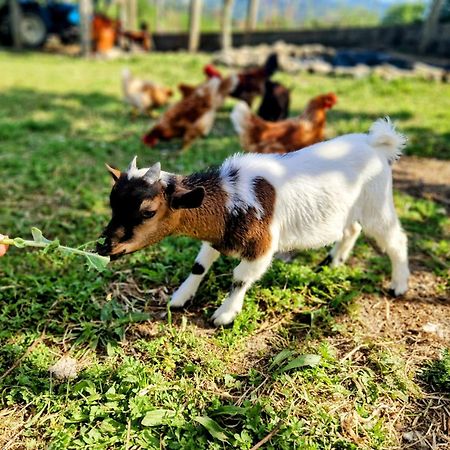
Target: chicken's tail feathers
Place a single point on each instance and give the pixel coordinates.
(383, 137)
(239, 116)
(126, 73)
(271, 65)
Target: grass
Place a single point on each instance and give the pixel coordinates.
(151, 379)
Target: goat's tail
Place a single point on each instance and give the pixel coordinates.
(383, 137)
(239, 116)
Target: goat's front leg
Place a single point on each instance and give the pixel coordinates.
(205, 258)
(244, 275)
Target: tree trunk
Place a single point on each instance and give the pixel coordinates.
(195, 16)
(430, 24)
(15, 15)
(86, 12)
(227, 14)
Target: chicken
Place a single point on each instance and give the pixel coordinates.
(275, 102)
(193, 116)
(186, 89)
(251, 81)
(143, 95)
(259, 136)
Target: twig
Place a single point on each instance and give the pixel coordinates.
(352, 352)
(268, 437)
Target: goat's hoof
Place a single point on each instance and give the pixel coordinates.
(178, 302)
(223, 318)
(397, 291)
(391, 293)
(325, 262)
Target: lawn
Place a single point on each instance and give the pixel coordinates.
(153, 379)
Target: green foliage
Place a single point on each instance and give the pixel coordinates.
(94, 260)
(404, 13)
(437, 373)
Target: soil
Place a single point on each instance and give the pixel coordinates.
(424, 177)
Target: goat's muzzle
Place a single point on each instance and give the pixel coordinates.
(105, 246)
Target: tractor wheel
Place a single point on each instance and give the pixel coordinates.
(33, 30)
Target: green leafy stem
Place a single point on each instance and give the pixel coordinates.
(94, 260)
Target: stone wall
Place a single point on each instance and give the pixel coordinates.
(400, 37)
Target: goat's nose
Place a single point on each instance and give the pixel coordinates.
(104, 248)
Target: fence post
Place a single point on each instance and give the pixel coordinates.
(132, 15)
(227, 16)
(86, 12)
(252, 18)
(430, 24)
(195, 13)
(16, 16)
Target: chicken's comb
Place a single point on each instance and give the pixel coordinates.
(210, 71)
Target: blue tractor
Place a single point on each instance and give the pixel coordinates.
(39, 20)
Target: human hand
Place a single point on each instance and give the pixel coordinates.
(3, 247)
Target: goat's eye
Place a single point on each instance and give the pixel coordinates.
(148, 214)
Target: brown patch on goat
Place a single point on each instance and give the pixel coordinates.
(208, 221)
(245, 234)
(151, 204)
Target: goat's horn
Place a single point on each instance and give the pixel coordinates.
(132, 165)
(152, 175)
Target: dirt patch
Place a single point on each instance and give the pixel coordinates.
(419, 321)
(424, 177)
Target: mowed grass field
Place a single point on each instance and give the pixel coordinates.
(148, 378)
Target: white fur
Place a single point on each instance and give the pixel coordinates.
(239, 116)
(187, 290)
(324, 194)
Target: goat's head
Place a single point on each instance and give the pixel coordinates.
(146, 207)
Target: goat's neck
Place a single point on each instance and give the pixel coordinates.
(206, 222)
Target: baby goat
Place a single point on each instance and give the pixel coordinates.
(254, 205)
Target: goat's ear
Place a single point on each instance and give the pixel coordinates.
(115, 173)
(188, 199)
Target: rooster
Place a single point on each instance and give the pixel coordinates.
(193, 116)
(143, 95)
(259, 136)
(187, 89)
(251, 81)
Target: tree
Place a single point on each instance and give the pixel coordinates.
(404, 13)
(227, 12)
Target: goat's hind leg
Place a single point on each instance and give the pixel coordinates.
(341, 250)
(205, 258)
(392, 239)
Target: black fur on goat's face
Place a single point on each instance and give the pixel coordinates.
(143, 212)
